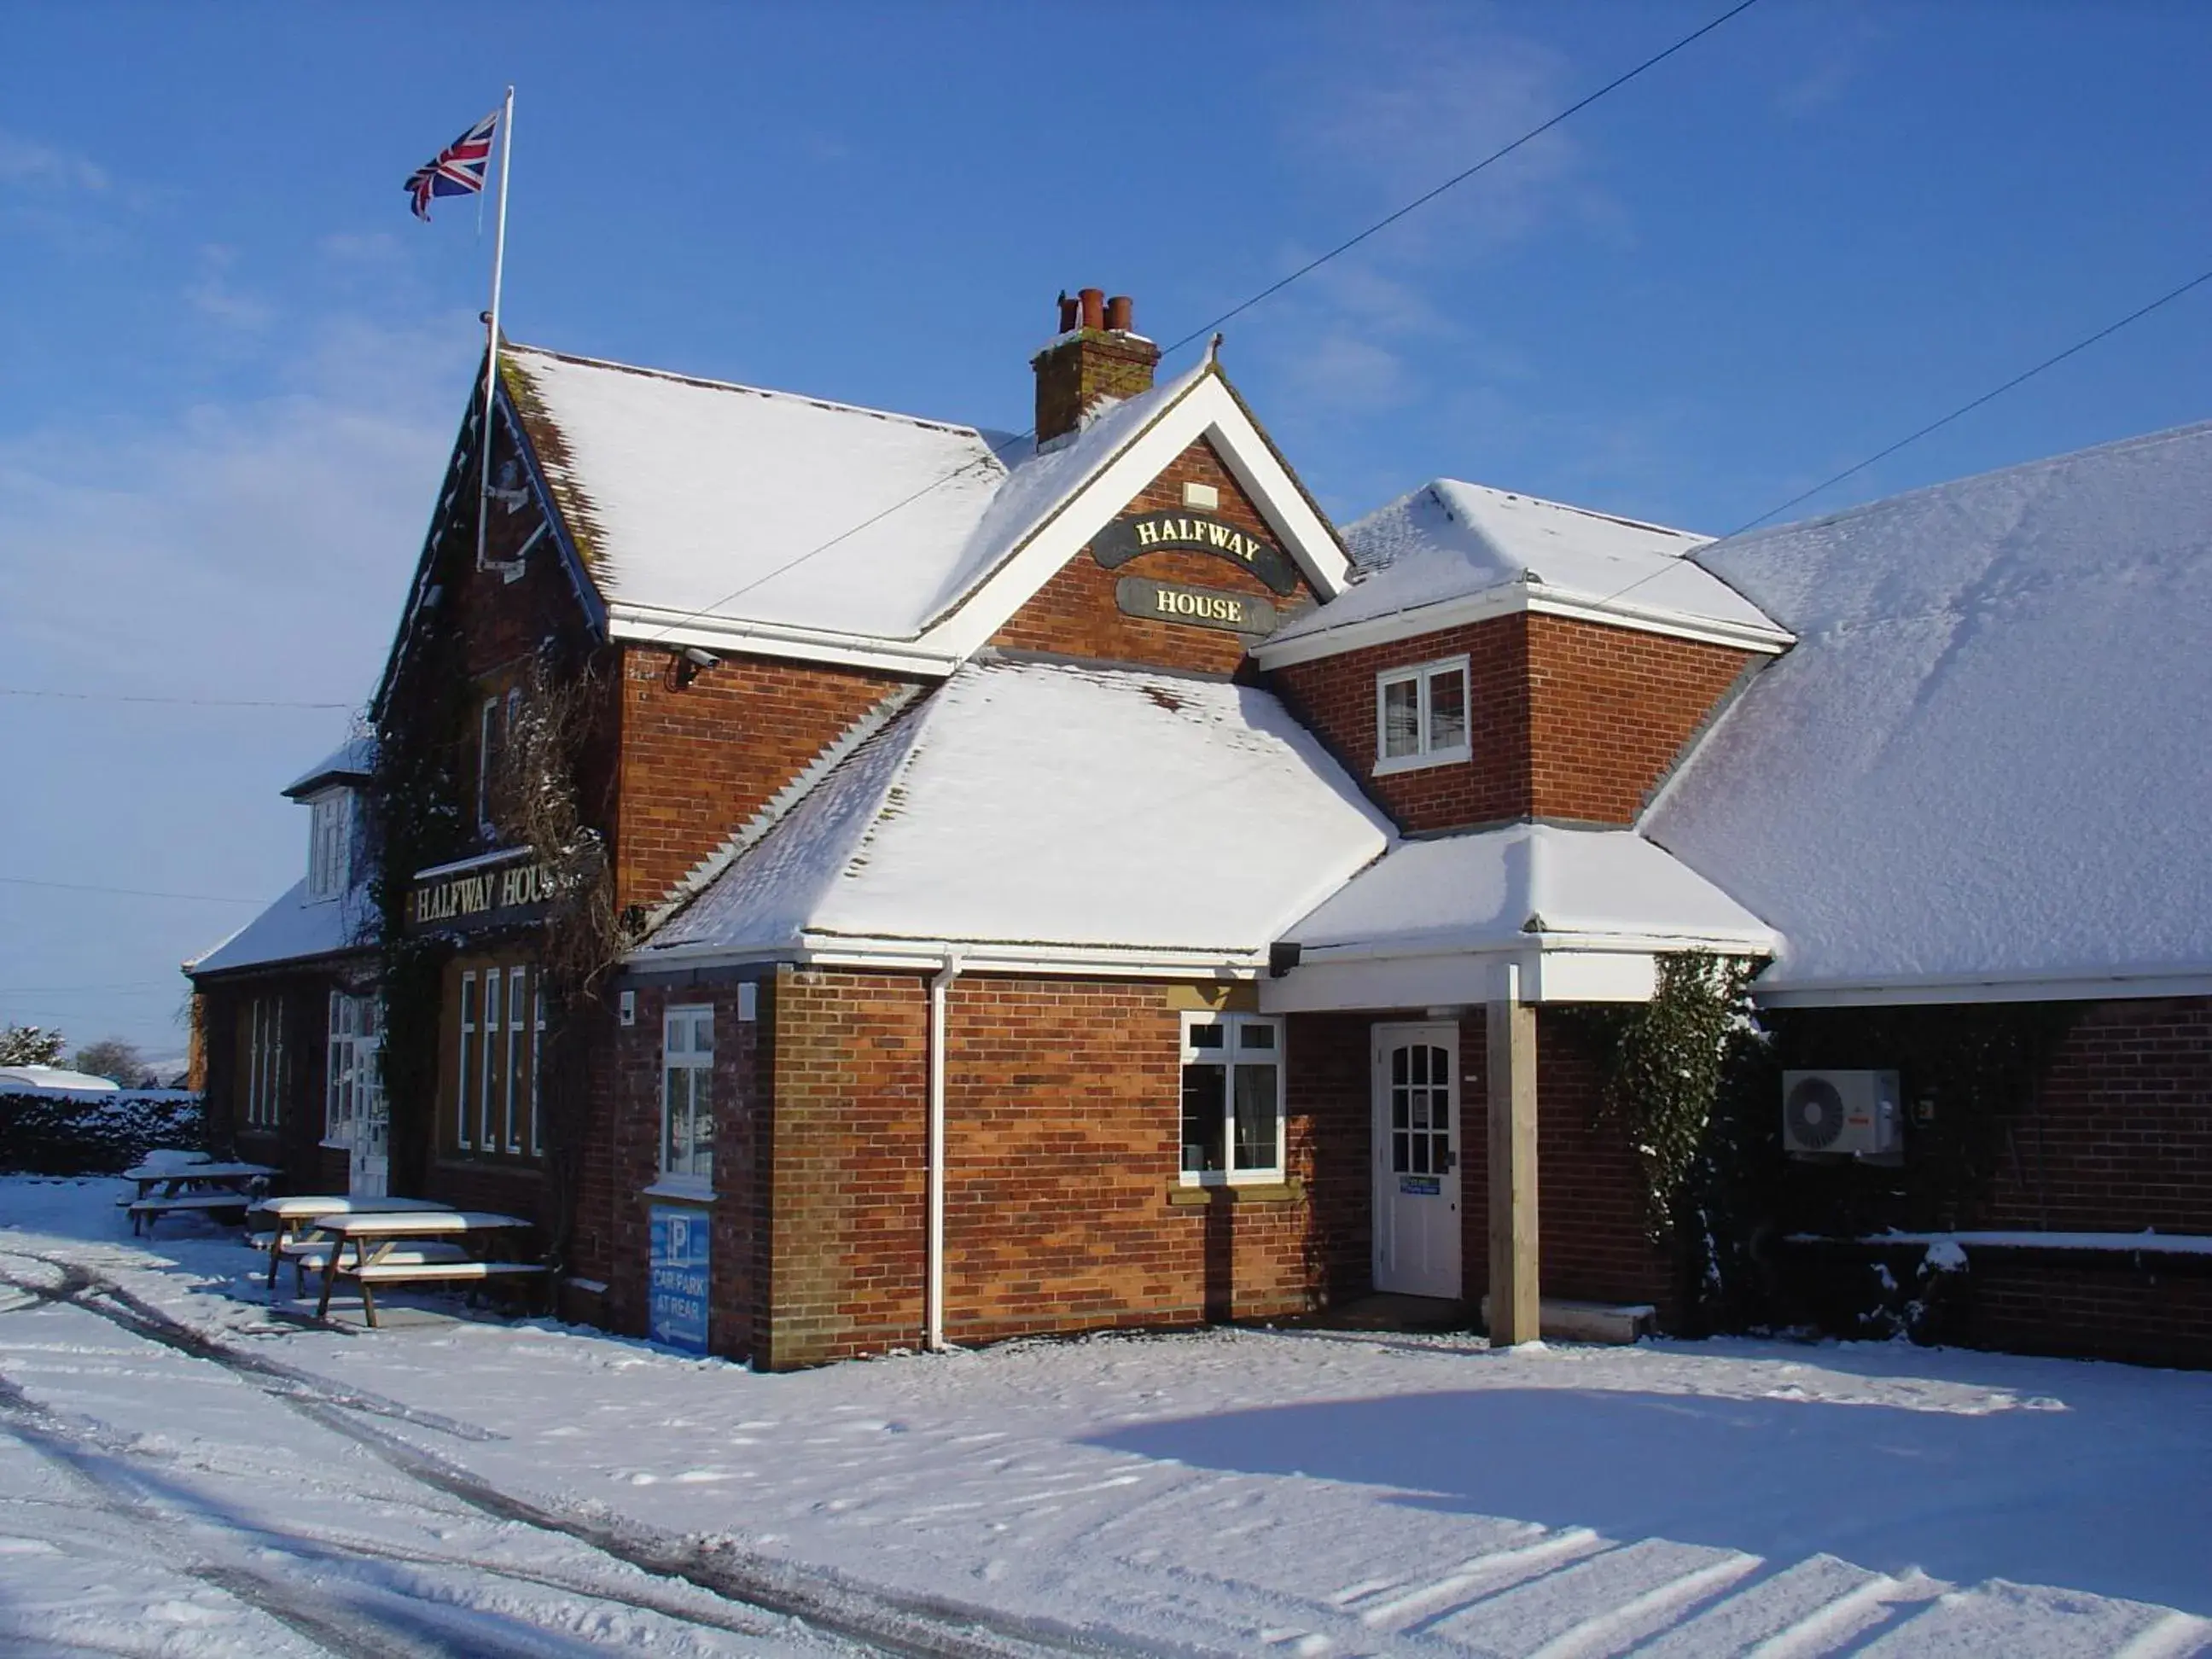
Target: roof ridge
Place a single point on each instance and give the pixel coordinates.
(957, 428)
(1626, 522)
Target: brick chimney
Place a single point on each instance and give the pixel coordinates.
(1095, 356)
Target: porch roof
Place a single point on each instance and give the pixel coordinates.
(1047, 810)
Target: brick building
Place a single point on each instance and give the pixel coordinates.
(1060, 884)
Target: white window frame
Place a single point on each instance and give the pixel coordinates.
(1428, 753)
(329, 844)
(1227, 1054)
(536, 1049)
(491, 1022)
(689, 1059)
(265, 1079)
(466, 1066)
(520, 1045)
(488, 731)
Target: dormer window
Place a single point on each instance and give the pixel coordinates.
(329, 844)
(1420, 715)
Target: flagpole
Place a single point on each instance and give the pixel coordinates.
(491, 354)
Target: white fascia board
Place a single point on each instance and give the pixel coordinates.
(1511, 599)
(1480, 944)
(2080, 988)
(671, 629)
(1468, 977)
(501, 856)
(914, 956)
(1205, 410)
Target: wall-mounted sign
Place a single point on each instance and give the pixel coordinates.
(1136, 533)
(1202, 607)
(676, 1307)
(485, 893)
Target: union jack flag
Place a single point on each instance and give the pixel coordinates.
(457, 170)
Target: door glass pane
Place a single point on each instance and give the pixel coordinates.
(1255, 1036)
(1205, 1086)
(1447, 709)
(1401, 719)
(1400, 1153)
(1256, 1137)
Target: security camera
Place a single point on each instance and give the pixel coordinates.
(700, 659)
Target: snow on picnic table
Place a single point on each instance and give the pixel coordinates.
(1228, 1491)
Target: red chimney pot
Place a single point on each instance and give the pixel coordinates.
(1067, 307)
(1094, 307)
(1121, 313)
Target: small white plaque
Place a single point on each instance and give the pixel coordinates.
(1205, 497)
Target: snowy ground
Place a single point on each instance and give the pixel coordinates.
(181, 1472)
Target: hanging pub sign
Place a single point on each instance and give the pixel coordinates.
(497, 890)
(1136, 533)
(1200, 607)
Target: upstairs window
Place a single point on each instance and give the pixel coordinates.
(329, 844)
(1420, 715)
(1232, 1098)
(497, 721)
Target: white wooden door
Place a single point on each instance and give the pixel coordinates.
(1417, 1146)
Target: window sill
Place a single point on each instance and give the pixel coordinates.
(1194, 1194)
(1384, 768)
(682, 1191)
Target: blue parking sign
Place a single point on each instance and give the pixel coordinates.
(677, 1315)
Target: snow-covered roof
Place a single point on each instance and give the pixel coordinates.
(683, 491)
(1426, 553)
(293, 929)
(1028, 808)
(1984, 760)
(352, 762)
(711, 514)
(1527, 883)
(57, 1078)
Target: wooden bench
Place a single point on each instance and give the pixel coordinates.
(295, 1216)
(366, 1251)
(175, 1188)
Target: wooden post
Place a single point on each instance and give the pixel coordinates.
(1514, 1316)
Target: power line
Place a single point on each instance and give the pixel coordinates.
(1458, 178)
(2052, 362)
(1967, 408)
(127, 892)
(1267, 293)
(194, 702)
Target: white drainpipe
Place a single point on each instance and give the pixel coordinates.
(934, 1333)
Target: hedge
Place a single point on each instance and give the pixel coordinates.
(60, 1131)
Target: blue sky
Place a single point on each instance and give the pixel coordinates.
(230, 363)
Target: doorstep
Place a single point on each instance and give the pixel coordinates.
(1590, 1322)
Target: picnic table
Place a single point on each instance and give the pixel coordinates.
(294, 1234)
(418, 1247)
(166, 1188)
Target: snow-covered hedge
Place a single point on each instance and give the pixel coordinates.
(64, 1132)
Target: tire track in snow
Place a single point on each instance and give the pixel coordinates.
(929, 1627)
(1599, 1632)
(1440, 1597)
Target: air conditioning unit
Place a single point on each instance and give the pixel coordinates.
(1855, 1113)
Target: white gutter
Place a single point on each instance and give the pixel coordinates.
(934, 1295)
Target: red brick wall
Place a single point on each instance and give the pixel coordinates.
(1335, 698)
(1567, 719)
(1610, 709)
(1062, 1127)
(2119, 1135)
(699, 760)
(1075, 614)
(631, 1160)
(844, 1167)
